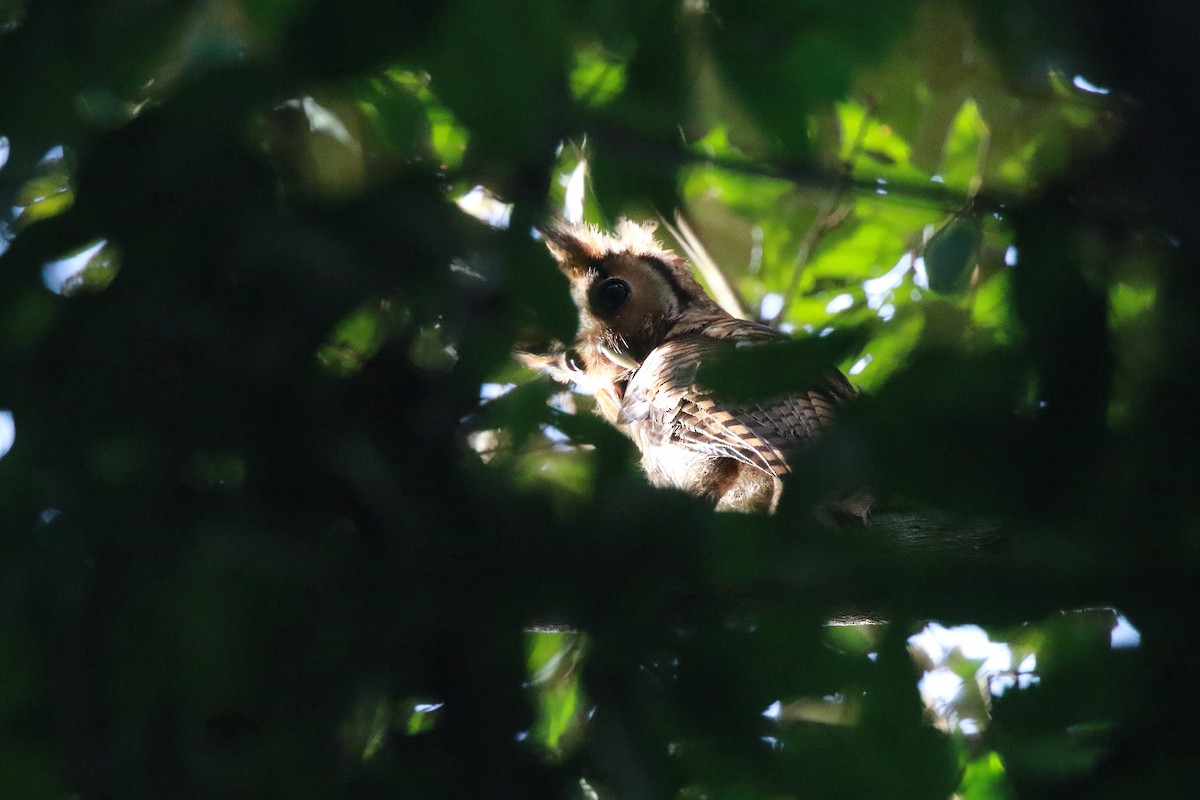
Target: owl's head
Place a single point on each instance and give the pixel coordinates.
(628, 288)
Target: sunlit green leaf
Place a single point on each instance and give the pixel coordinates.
(749, 194)
(447, 137)
(984, 779)
(554, 665)
(871, 246)
(874, 148)
(358, 337)
(597, 77)
(889, 349)
(716, 144)
(418, 715)
(965, 150)
(1127, 301)
(45, 197)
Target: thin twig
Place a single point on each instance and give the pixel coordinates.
(819, 226)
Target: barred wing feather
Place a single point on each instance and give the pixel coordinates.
(664, 393)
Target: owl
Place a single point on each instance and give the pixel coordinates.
(645, 326)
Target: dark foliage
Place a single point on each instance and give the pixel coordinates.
(250, 548)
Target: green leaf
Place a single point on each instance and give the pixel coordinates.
(964, 151)
(951, 252)
(597, 76)
(984, 779)
(761, 371)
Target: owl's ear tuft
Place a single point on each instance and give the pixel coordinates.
(574, 247)
(577, 247)
(638, 238)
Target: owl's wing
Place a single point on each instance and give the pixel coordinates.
(664, 393)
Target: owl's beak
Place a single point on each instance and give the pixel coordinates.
(619, 357)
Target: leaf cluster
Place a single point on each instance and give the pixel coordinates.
(275, 523)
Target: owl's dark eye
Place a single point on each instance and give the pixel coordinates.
(609, 295)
